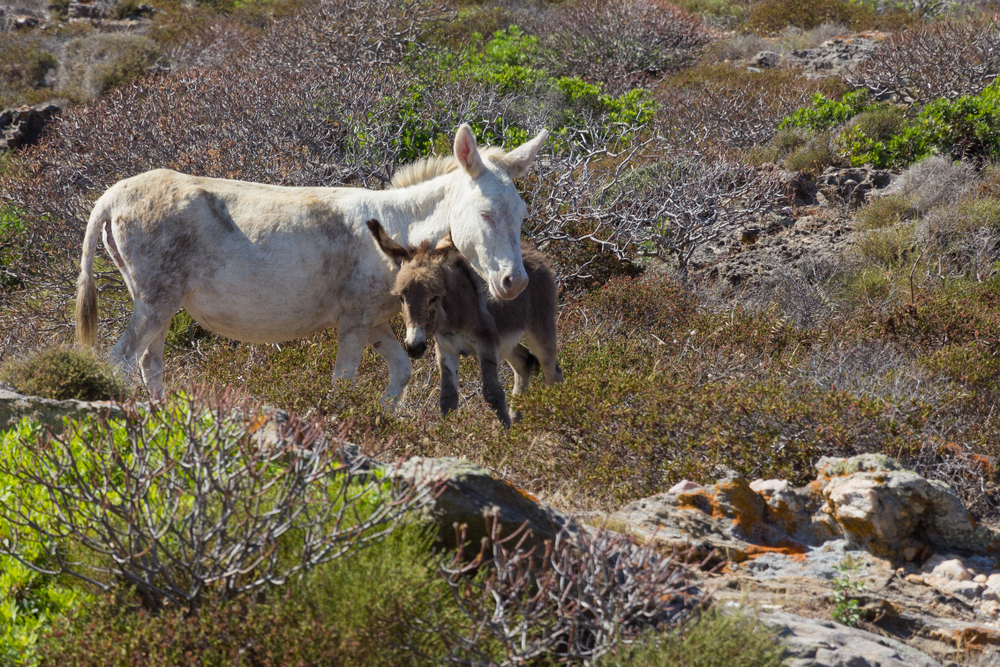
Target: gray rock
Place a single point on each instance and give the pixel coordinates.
(21, 126)
(852, 185)
(814, 643)
(471, 497)
(766, 59)
(893, 512)
(14, 407)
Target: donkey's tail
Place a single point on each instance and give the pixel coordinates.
(86, 290)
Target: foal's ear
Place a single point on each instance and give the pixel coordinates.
(467, 151)
(387, 244)
(445, 251)
(518, 160)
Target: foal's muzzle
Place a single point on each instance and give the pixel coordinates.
(416, 350)
(415, 342)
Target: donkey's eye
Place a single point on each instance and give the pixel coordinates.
(434, 300)
(401, 299)
(489, 217)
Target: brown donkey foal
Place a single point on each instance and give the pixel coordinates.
(442, 296)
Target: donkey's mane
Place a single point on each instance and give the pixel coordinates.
(431, 167)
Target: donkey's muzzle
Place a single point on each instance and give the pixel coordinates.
(415, 350)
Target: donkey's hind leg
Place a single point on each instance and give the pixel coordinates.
(151, 363)
(384, 342)
(147, 325)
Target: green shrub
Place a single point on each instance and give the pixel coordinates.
(825, 113)
(29, 601)
(775, 15)
(717, 639)
(356, 612)
(61, 373)
(879, 123)
(967, 128)
(814, 157)
(884, 211)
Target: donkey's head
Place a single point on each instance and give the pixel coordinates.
(421, 284)
(487, 211)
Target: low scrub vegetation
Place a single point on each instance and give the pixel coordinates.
(61, 373)
(659, 151)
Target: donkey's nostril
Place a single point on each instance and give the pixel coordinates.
(507, 283)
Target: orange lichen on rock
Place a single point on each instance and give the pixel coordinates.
(793, 550)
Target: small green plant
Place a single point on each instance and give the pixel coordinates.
(847, 610)
(715, 639)
(883, 212)
(61, 373)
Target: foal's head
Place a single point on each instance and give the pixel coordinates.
(421, 284)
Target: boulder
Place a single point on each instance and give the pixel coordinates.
(853, 185)
(21, 126)
(816, 643)
(51, 413)
(895, 512)
(472, 498)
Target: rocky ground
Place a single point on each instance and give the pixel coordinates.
(925, 576)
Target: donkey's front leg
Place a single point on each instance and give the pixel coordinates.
(384, 342)
(447, 361)
(492, 389)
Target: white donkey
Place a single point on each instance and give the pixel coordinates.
(266, 264)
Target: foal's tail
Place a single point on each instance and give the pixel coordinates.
(86, 290)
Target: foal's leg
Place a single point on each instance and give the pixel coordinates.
(384, 342)
(447, 361)
(492, 389)
(146, 325)
(542, 342)
(522, 362)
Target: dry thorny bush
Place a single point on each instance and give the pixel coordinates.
(622, 43)
(573, 602)
(177, 501)
(730, 109)
(942, 59)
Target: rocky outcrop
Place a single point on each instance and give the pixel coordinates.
(830, 58)
(471, 500)
(852, 186)
(897, 513)
(21, 126)
(14, 407)
(815, 643)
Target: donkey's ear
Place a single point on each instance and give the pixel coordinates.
(518, 160)
(387, 244)
(467, 151)
(445, 251)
